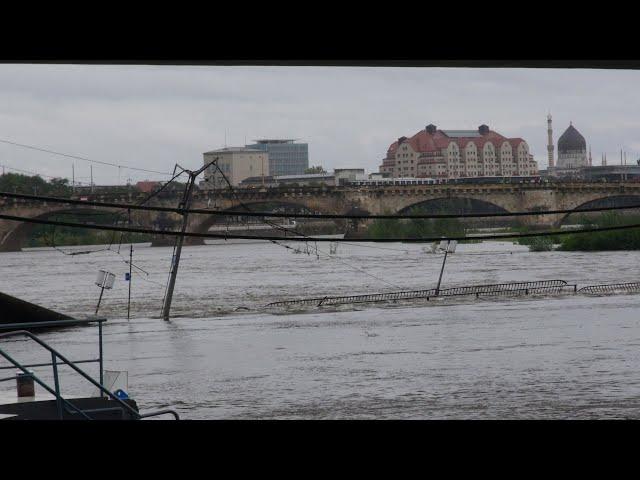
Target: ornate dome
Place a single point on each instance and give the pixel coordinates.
(571, 140)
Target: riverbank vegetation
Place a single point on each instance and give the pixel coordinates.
(49, 236)
(81, 236)
(603, 241)
(590, 242)
(34, 185)
(596, 241)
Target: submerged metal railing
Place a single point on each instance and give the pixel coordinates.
(476, 290)
(611, 288)
(58, 359)
(549, 290)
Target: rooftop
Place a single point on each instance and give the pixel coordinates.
(275, 140)
(305, 176)
(234, 149)
(461, 133)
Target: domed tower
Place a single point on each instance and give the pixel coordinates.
(572, 149)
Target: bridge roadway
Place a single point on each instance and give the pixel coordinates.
(343, 199)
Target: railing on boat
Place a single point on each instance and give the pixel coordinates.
(57, 359)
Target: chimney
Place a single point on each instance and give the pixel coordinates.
(431, 129)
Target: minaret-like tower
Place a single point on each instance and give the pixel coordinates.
(550, 141)
(590, 164)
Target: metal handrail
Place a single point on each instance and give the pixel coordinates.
(427, 293)
(161, 412)
(65, 360)
(59, 397)
(64, 323)
(610, 287)
(55, 354)
(51, 323)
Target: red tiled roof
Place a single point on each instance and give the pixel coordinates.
(515, 142)
(426, 142)
(146, 186)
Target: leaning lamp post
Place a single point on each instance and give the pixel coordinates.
(104, 280)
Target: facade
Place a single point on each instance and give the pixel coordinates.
(446, 154)
(237, 163)
(604, 173)
(304, 180)
(340, 176)
(147, 186)
(285, 156)
(345, 175)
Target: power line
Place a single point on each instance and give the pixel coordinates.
(32, 147)
(318, 251)
(149, 231)
(36, 173)
(250, 213)
(115, 221)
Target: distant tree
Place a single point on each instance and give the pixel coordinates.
(315, 169)
(34, 185)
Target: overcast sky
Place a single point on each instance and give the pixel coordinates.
(155, 116)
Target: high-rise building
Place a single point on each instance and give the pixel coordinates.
(434, 153)
(285, 156)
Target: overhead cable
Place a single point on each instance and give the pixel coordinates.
(32, 147)
(150, 231)
(201, 211)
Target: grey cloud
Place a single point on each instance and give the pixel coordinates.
(154, 116)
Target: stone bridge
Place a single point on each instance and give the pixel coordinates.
(372, 200)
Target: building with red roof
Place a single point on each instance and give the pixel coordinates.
(147, 186)
(434, 153)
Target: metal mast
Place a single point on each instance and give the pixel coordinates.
(175, 261)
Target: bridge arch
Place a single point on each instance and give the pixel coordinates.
(15, 234)
(607, 201)
(203, 223)
(460, 205)
(453, 205)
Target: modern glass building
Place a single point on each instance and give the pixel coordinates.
(285, 156)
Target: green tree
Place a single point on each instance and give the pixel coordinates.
(315, 169)
(34, 185)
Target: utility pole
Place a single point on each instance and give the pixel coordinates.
(442, 269)
(91, 178)
(175, 261)
(73, 177)
(130, 278)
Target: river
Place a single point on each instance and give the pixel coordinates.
(223, 356)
